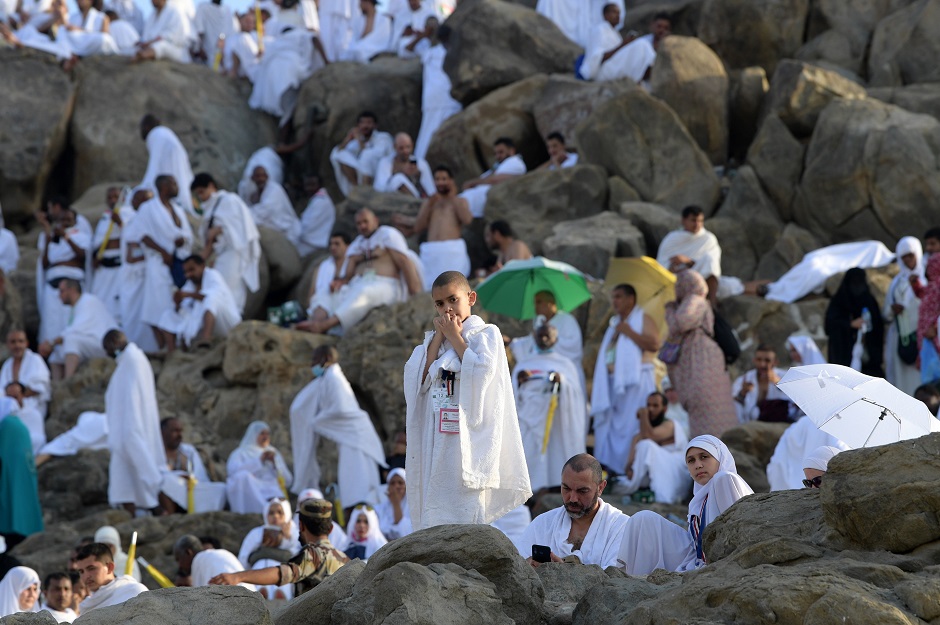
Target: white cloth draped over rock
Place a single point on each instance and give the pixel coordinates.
(121, 589)
(616, 397)
(34, 375)
(785, 470)
(251, 482)
(134, 437)
(89, 432)
(275, 211)
(601, 544)
(810, 274)
(362, 157)
(476, 196)
(172, 29)
(663, 467)
(533, 398)
(631, 61)
(436, 103)
(327, 407)
(316, 223)
(702, 247)
(187, 322)
(153, 220)
(168, 157)
(651, 542)
(238, 248)
(491, 477)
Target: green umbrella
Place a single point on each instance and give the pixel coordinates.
(511, 290)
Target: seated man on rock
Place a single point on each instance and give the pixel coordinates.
(558, 155)
(327, 281)
(403, 172)
(565, 530)
(500, 238)
(205, 307)
(693, 247)
(166, 34)
(182, 462)
(81, 339)
(609, 56)
(357, 157)
(380, 270)
(271, 206)
(756, 396)
(318, 218)
(197, 565)
(508, 165)
(660, 28)
(317, 560)
(95, 564)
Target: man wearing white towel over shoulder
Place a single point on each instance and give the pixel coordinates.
(95, 564)
(508, 165)
(81, 339)
(609, 56)
(134, 475)
(357, 157)
(327, 407)
(693, 247)
(585, 527)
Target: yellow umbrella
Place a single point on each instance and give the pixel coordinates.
(655, 285)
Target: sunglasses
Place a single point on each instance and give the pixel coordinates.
(813, 483)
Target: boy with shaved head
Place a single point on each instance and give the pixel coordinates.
(465, 461)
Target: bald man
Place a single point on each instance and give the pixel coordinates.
(402, 172)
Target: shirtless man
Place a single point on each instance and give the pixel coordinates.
(443, 216)
(378, 262)
(500, 238)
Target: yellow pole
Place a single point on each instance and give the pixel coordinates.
(191, 490)
(219, 49)
(131, 552)
(157, 575)
(259, 27)
(552, 406)
(283, 484)
(107, 234)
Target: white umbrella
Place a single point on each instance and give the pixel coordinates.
(858, 409)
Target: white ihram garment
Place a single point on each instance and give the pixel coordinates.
(600, 545)
(238, 248)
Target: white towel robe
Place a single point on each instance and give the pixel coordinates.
(663, 466)
(384, 177)
(251, 483)
(479, 474)
(106, 281)
(168, 157)
(187, 322)
(631, 61)
(336, 25)
(275, 211)
(88, 323)
(327, 407)
(570, 345)
(127, 11)
(436, 103)
(133, 286)
(476, 196)
(316, 223)
(440, 256)
(601, 543)
(89, 432)
(415, 19)
(9, 251)
(322, 296)
(785, 470)
(532, 402)
(90, 40)
(212, 20)
(134, 437)
(363, 48)
(571, 17)
(53, 314)
(153, 219)
(702, 247)
(615, 398)
(288, 60)
(123, 588)
(174, 30)
(749, 410)
(364, 158)
(238, 248)
(34, 375)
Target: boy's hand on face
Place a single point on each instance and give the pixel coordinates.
(449, 325)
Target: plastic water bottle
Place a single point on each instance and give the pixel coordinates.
(866, 321)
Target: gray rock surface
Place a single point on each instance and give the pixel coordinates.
(590, 243)
(232, 605)
(314, 606)
(903, 44)
(799, 92)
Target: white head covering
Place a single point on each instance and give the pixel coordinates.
(720, 451)
(249, 441)
(396, 471)
(309, 493)
(109, 536)
(820, 458)
(17, 579)
(806, 347)
(285, 506)
(909, 245)
(374, 539)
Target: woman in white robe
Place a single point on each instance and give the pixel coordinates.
(19, 591)
(395, 520)
(279, 532)
(804, 351)
(365, 536)
(651, 542)
(900, 314)
(253, 471)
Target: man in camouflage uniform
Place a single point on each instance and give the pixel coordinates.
(317, 560)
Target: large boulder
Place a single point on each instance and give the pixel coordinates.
(800, 91)
(653, 220)
(480, 548)
(494, 43)
(874, 168)
(614, 600)
(536, 202)
(746, 91)
(37, 102)
(206, 605)
(642, 140)
(904, 45)
(590, 243)
(565, 101)
(753, 32)
(776, 157)
(330, 101)
(207, 111)
(691, 79)
(313, 607)
(29, 618)
(919, 98)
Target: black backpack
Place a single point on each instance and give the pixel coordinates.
(724, 335)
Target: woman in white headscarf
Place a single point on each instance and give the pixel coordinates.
(254, 469)
(110, 536)
(19, 591)
(804, 351)
(394, 517)
(651, 542)
(365, 537)
(900, 313)
(272, 544)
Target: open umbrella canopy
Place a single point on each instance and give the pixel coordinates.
(511, 290)
(654, 284)
(858, 409)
